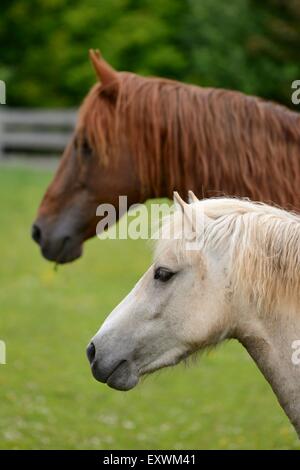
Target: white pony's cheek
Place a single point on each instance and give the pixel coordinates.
(133, 307)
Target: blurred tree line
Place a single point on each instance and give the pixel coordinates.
(248, 45)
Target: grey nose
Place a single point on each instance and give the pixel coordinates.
(36, 233)
(91, 352)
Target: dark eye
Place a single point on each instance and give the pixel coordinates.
(86, 146)
(81, 144)
(163, 274)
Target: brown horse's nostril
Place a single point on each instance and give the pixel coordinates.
(66, 240)
(91, 352)
(36, 233)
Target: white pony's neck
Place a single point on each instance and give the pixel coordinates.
(266, 262)
(268, 340)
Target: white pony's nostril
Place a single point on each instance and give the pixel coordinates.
(91, 352)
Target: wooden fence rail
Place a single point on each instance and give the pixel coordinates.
(34, 133)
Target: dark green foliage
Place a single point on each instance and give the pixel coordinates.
(247, 45)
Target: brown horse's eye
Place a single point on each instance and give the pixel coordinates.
(81, 144)
(85, 146)
(163, 274)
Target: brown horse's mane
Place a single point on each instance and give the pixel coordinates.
(183, 136)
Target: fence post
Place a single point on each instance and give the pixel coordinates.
(24, 132)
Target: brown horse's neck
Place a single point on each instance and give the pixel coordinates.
(259, 169)
(212, 141)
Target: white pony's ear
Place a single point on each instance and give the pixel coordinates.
(178, 201)
(186, 210)
(192, 197)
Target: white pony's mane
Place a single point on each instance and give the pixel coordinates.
(263, 244)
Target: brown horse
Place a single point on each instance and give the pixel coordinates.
(146, 137)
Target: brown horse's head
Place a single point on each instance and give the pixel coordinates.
(145, 137)
(87, 175)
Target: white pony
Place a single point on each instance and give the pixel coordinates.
(242, 282)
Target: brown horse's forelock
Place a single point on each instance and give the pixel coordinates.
(181, 136)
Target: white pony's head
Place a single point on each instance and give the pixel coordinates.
(189, 298)
(177, 307)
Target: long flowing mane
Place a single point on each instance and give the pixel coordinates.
(181, 136)
(262, 242)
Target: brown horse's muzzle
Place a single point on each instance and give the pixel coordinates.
(57, 242)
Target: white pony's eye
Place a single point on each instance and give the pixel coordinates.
(163, 274)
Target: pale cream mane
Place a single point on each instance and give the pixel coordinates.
(263, 244)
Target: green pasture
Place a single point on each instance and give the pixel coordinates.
(49, 399)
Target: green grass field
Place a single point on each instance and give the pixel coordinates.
(48, 397)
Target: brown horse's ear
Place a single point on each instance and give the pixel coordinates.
(105, 73)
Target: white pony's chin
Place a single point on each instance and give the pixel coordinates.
(124, 378)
